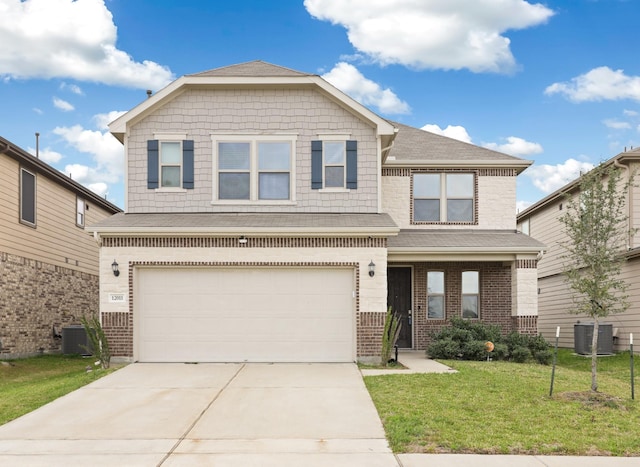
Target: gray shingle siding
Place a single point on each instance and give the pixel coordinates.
(201, 113)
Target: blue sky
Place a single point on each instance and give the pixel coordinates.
(555, 82)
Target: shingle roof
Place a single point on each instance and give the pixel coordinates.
(255, 68)
(413, 144)
(464, 240)
(22, 156)
(259, 222)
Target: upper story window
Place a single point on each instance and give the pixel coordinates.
(435, 294)
(170, 162)
(80, 208)
(27, 197)
(254, 168)
(444, 197)
(524, 227)
(470, 294)
(334, 163)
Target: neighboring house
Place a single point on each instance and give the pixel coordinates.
(270, 217)
(541, 221)
(48, 262)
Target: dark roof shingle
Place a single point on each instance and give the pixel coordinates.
(494, 240)
(256, 68)
(414, 144)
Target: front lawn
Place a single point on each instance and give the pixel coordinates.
(505, 408)
(29, 383)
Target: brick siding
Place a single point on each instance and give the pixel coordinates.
(35, 297)
(495, 296)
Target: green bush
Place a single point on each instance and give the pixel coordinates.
(500, 351)
(474, 350)
(520, 354)
(466, 340)
(445, 348)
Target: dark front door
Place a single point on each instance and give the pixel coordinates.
(399, 299)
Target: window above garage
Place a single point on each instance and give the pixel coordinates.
(254, 169)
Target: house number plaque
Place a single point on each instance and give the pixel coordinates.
(116, 298)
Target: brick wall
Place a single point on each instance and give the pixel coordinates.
(495, 296)
(35, 297)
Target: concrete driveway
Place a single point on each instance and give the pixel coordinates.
(206, 414)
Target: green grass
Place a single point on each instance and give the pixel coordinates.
(27, 384)
(505, 408)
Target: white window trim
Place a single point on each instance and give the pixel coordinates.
(84, 211)
(443, 199)
(334, 138)
(443, 295)
(169, 138)
(462, 294)
(254, 139)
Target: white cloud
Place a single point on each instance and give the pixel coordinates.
(549, 178)
(103, 120)
(69, 39)
(101, 189)
(38, 111)
(349, 80)
(47, 155)
(451, 131)
(515, 147)
(74, 88)
(616, 124)
(599, 84)
(433, 33)
(107, 154)
(62, 105)
(630, 113)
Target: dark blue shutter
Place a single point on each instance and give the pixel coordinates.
(352, 165)
(187, 164)
(316, 165)
(152, 163)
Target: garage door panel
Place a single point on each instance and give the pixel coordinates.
(241, 314)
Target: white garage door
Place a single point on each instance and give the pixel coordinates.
(242, 314)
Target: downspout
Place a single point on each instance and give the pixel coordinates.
(628, 202)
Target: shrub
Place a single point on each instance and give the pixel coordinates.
(466, 339)
(389, 336)
(500, 351)
(474, 350)
(520, 354)
(99, 344)
(445, 348)
(544, 357)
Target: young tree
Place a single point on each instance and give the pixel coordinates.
(597, 228)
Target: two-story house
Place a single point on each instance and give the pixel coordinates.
(48, 262)
(541, 221)
(270, 217)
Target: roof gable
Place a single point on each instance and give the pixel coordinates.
(256, 74)
(255, 68)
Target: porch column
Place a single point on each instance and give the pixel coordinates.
(524, 296)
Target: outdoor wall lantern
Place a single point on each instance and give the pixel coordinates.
(372, 269)
(114, 268)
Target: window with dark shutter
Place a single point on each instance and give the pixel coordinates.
(316, 165)
(152, 163)
(352, 165)
(187, 164)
